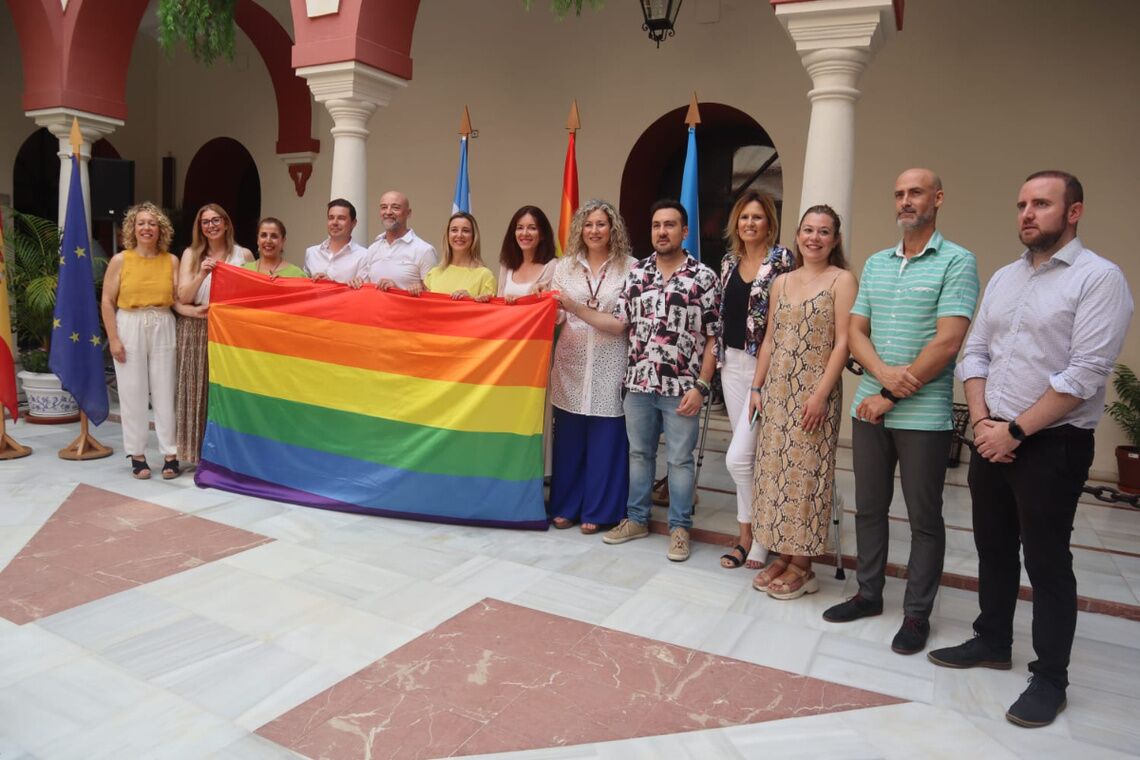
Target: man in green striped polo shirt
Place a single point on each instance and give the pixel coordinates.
(910, 317)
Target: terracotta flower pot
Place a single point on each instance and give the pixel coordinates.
(1128, 468)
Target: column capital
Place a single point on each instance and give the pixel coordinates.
(351, 81)
(829, 24)
(92, 126)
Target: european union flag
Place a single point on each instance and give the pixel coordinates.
(76, 338)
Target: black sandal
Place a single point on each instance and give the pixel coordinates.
(735, 560)
(139, 467)
(170, 469)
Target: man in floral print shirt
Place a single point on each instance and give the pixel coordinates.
(670, 307)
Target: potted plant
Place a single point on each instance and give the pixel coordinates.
(1126, 411)
(32, 247)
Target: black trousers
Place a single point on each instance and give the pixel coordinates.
(1031, 502)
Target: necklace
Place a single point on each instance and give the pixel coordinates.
(272, 272)
(804, 286)
(592, 302)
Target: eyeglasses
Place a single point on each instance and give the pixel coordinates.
(216, 221)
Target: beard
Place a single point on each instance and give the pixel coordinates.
(1045, 240)
(919, 221)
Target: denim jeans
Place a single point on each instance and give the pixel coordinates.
(646, 414)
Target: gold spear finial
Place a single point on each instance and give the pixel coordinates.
(76, 136)
(693, 116)
(573, 121)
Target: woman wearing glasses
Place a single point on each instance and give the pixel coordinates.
(212, 242)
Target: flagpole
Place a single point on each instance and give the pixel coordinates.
(85, 446)
(461, 200)
(690, 182)
(9, 447)
(569, 202)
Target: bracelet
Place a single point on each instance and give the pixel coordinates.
(756, 388)
(975, 423)
(704, 384)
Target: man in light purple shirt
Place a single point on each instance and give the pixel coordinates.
(1045, 339)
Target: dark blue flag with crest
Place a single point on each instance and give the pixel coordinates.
(76, 337)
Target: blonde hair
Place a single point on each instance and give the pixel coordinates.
(620, 247)
(448, 256)
(732, 236)
(165, 228)
(198, 241)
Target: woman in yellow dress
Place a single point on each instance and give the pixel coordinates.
(462, 273)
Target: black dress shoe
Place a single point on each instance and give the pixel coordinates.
(854, 608)
(911, 637)
(975, 653)
(1038, 705)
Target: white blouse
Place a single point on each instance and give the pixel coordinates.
(589, 364)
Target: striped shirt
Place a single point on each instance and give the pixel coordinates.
(1058, 326)
(904, 299)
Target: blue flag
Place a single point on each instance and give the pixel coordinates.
(462, 199)
(76, 337)
(689, 196)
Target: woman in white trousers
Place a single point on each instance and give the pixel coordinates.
(752, 262)
(138, 294)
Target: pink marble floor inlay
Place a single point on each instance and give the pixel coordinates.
(498, 677)
(98, 543)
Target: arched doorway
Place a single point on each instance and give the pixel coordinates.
(735, 153)
(222, 172)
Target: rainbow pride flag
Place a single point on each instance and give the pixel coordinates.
(380, 403)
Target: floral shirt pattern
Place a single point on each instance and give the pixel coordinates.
(778, 262)
(669, 323)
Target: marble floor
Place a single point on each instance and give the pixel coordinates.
(233, 627)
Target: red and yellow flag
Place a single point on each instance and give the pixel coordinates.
(7, 347)
(569, 182)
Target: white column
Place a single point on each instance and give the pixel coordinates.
(351, 91)
(92, 127)
(836, 40)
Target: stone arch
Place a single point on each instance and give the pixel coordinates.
(222, 172)
(655, 163)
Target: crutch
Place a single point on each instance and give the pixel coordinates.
(837, 505)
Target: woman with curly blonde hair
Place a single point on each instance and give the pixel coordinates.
(590, 479)
(138, 292)
(212, 242)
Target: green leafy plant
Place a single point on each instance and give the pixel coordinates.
(1126, 410)
(206, 27)
(562, 8)
(31, 250)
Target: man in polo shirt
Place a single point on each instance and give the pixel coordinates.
(398, 257)
(670, 308)
(1035, 368)
(910, 317)
(338, 258)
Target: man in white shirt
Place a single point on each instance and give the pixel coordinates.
(1045, 339)
(338, 258)
(398, 258)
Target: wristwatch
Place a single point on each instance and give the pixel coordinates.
(889, 396)
(703, 387)
(1016, 431)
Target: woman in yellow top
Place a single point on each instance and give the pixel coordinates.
(138, 293)
(462, 273)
